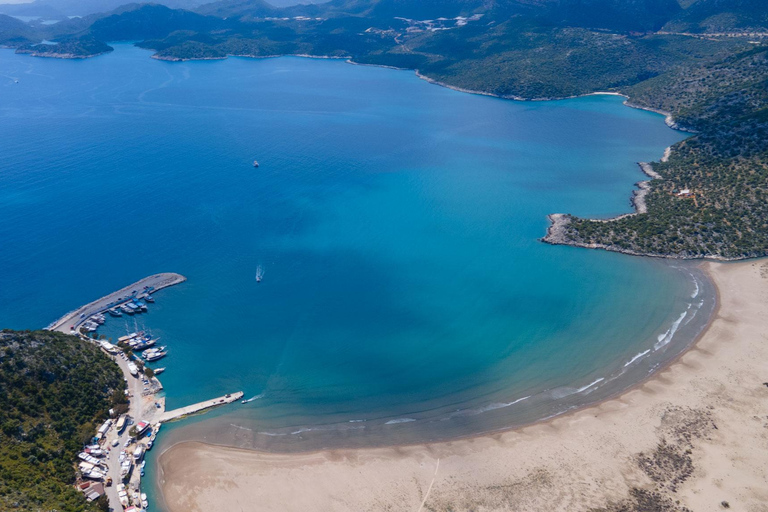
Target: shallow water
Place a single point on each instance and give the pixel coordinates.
(406, 296)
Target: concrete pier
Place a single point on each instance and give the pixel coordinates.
(72, 320)
(191, 409)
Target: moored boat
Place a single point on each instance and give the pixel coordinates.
(154, 356)
(115, 312)
(144, 344)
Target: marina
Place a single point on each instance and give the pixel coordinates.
(113, 464)
(122, 298)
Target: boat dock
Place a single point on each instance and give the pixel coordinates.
(72, 320)
(198, 407)
(115, 454)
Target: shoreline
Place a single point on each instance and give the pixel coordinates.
(540, 407)
(571, 410)
(558, 225)
(345, 463)
(243, 56)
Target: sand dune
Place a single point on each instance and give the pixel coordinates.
(695, 436)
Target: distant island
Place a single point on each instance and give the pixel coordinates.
(704, 63)
(75, 49)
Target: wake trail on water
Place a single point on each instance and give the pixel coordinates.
(260, 395)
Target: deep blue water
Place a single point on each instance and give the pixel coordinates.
(397, 223)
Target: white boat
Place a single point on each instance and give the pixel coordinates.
(255, 163)
(259, 273)
(158, 371)
(154, 356)
(144, 502)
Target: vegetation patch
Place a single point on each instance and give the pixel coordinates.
(54, 391)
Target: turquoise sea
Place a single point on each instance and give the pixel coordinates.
(406, 296)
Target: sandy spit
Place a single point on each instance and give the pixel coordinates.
(695, 435)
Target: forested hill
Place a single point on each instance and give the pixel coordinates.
(54, 390)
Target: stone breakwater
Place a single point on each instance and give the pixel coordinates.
(73, 319)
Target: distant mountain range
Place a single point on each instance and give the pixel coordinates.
(618, 15)
(721, 16)
(61, 9)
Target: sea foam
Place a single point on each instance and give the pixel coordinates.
(399, 420)
(636, 357)
(665, 338)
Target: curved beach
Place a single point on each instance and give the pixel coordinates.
(695, 433)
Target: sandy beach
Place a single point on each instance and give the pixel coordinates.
(693, 437)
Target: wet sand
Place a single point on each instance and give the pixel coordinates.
(695, 435)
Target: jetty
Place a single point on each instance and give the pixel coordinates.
(198, 407)
(71, 321)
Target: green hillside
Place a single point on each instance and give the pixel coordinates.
(54, 391)
(725, 166)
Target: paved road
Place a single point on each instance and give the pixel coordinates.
(141, 409)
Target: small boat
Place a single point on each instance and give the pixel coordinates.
(158, 371)
(255, 163)
(126, 309)
(142, 306)
(115, 312)
(149, 298)
(144, 502)
(259, 274)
